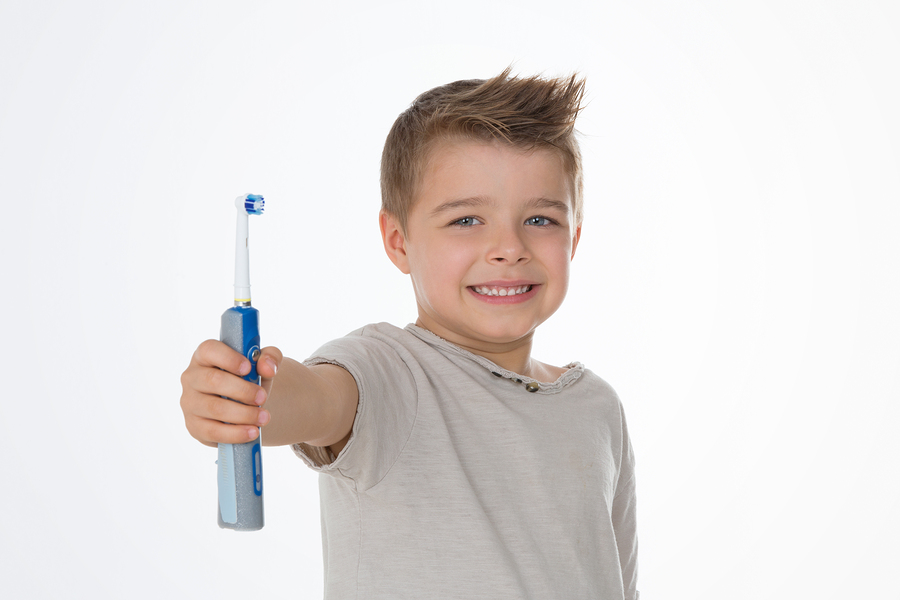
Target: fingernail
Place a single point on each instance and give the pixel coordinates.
(254, 432)
(271, 362)
(245, 367)
(260, 397)
(263, 417)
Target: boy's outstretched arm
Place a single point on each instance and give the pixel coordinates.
(316, 405)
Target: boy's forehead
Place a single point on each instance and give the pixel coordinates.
(456, 149)
(448, 162)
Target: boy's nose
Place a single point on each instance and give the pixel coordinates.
(508, 248)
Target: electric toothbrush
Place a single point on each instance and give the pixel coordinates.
(240, 465)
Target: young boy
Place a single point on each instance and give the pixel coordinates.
(453, 464)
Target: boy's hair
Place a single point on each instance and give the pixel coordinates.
(525, 113)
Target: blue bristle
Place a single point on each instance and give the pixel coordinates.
(254, 204)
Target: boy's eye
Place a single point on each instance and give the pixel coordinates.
(465, 222)
(539, 221)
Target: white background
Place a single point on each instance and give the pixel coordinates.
(737, 280)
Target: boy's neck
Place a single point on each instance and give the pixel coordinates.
(514, 356)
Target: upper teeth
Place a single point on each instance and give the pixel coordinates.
(502, 291)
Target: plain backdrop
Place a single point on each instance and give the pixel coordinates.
(737, 280)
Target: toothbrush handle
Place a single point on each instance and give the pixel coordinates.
(240, 465)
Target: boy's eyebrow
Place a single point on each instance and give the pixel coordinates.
(549, 203)
(477, 201)
(461, 203)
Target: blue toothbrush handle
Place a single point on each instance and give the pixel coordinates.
(240, 465)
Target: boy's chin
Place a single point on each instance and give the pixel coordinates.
(473, 335)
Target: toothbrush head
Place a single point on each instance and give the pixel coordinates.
(252, 204)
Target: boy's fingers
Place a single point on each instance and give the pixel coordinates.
(226, 411)
(213, 353)
(216, 382)
(218, 370)
(212, 433)
(204, 414)
(215, 375)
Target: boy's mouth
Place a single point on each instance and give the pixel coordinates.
(495, 290)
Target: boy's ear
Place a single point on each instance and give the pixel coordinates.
(575, 241)
(394, 241)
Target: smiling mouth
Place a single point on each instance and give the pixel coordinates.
(494, 290)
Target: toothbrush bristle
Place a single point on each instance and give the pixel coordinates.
(254, 204)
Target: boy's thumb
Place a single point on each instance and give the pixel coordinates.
(269, 360)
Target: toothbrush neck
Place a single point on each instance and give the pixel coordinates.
(242, 262)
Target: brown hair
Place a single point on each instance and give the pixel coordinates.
(526, 113)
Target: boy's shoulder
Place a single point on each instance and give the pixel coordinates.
(372, 338)
(376, 350)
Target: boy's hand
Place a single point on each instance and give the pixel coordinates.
(215, 371)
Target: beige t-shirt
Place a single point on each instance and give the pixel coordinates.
(458, 482)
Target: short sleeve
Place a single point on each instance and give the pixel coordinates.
(385, 413)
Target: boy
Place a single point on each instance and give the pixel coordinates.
(454, 465)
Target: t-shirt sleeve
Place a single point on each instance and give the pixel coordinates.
(624, 516)
(385, 412)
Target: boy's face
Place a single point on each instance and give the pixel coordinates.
(488, 243)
